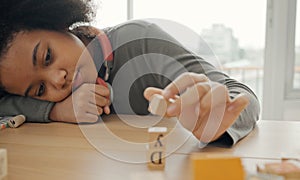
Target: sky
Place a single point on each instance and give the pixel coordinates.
(247, 18)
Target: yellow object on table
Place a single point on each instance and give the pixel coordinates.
(216, 167)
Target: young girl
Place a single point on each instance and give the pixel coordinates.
(46, 54)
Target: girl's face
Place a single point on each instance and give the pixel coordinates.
(45, 65)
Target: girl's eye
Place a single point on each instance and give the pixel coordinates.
(48, 57)
(41, 90)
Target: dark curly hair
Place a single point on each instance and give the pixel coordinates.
(23, 15)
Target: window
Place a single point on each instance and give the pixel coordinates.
(110, 12)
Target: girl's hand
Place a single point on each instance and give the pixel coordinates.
(84, 105)
(204, 107)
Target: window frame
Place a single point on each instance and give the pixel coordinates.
(129, 9)
(280, 99)
(291, 92)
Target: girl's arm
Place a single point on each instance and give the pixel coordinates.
(147, 48)
(34, 110)
(193, 63)
(85, 105)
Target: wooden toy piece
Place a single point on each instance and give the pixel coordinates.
(16, 121)
(158, 105)
(263, 176)
(287, 169)
(3, 163)
(214, 167)
(156, 148)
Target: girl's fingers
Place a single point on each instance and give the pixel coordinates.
(192, 96)
(101, 90)
(88, 114)
(94, 109)
(215, 123)
(214, 103)
(106, 110)
(238, 104)
(150, 91)
(99, 110)
(100, 101)
(87, 117)
(181, 83)
(218, 95)
(98, 97)
(102, 104)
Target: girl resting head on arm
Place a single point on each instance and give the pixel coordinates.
(42, 42)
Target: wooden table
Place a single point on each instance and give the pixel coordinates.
(114, 149)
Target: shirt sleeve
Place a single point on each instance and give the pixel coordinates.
(153, 50)
(34, 110)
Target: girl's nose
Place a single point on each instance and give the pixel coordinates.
(58, 78)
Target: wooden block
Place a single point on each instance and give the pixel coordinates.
(158, 105)
(156, 148)
(214, 167)
(284, 168)
(3, 163)
(16, 121)
(156, 158)
(156, 137)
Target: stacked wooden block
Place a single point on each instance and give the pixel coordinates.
(156, 148)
